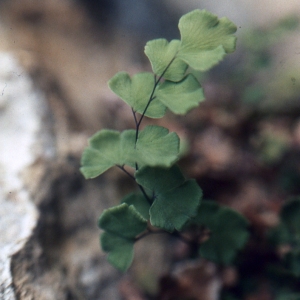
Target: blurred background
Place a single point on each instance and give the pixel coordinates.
(83, 43)
(243, 142)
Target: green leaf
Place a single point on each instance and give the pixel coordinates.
(160, 180)
(122, 224)
(181, 97)
(228, 232)
(288, 231)
(288, 296)
(127, 146)
(171, 210)
(107, 148)
(157, 147)
(136, 92)
(139, 202)
(279, 235)
(206, 213)
(290, 216)
(292, 260)
(175, 199)
(120, 251)
(122, 220)
(161, 53)
(104, 152)
(205, 39)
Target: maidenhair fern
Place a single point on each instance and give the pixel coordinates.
(166, 199)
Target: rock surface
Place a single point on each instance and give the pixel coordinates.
(22, 137)
(49, 240)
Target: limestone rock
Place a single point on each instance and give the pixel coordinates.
(22, 137)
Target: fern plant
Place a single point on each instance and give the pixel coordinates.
(165, 199)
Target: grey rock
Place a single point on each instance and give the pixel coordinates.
(22, 109)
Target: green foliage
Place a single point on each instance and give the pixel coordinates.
(108, 148)
(288, 296)
(292, 262)
(139, 202)
(121, 224)
(290, 217)
(205, 39)
(136, 92)
(168, 201)
(160, 53)
(175, 199)
(156, 147)
(287, 233)
(228, 230)
(181, 97)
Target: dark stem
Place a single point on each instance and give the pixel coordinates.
(124, 170)
(148, 232)
(183, 238)
(176, 234)
(149, 200)
(135, 118)
(151, 98)
(138, 123)
(145, 194)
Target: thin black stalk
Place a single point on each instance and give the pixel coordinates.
(149, 200)
(175, 234)
(145, 194)
(124, 170)
(148, 232)
(151, 98)
(138, 123)
(183, 238)
(135, 118)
